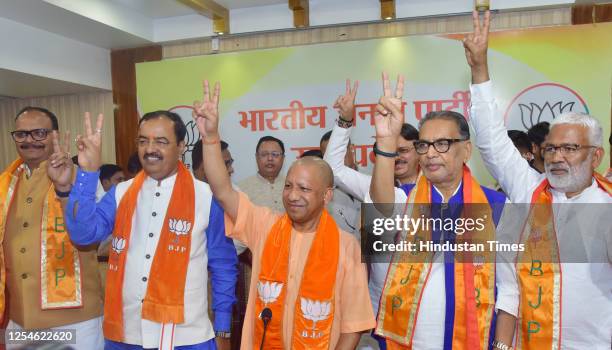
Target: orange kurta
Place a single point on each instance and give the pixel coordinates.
(353, 311)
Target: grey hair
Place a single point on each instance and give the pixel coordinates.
(458, 118)
(583, 119)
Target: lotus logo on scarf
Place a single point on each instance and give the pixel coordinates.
(542, 103)
(478, 261)
(315, 311)
(536, 236)
(269, 291)
(118, 244)
(179, 227)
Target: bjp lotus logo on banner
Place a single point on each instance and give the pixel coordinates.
(269, 291)
(542, 103)
(315, 311)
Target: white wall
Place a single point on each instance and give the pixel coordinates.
(38, 52)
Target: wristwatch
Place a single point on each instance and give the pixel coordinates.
(501, 345)
(60, 194)
(225, 335)
(384, 154)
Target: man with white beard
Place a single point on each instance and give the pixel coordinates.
(562, 302)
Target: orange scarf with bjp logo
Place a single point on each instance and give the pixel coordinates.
(408, 275)
(164, 300)
(314, 309)
(540, 275)
(60, 277)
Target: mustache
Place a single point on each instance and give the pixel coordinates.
(558, 167)
(152, 155)
(29, 145)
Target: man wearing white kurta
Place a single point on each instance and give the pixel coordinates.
(208, 249)
(572, 151)
(444, 148)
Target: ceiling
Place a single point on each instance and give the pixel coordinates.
(170, 8)
(97, 26)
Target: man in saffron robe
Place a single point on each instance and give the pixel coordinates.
(306, 270)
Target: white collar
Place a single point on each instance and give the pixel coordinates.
(454, 193)
(580, 197)
(164, 183)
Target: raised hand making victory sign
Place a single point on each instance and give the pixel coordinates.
(389, 119)
(476, 45)
(345, 104)
(89, 146)
(59, 166)
(206, 113)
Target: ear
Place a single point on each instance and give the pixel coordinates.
(181, 148)
(468, 151)
(597, 157)
(328, 196)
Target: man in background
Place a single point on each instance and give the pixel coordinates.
(244, 255)
(265, 187)
(111, 175)
(198, 167)
(537, 135)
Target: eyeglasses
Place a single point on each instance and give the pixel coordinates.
(404, 150)
(565, 149)
(441, 145)
(229, 162)
(273, 154)
(36, 134)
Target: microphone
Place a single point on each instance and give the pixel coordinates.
(266, 317)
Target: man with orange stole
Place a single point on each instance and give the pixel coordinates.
(168, 235)
(309, 288)
(435, 300)
(561, 284)
(51, 282)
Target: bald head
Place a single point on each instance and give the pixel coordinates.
(322, 170)
(308, 189)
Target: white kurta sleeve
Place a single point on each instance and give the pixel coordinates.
(347, 179)
(501, 158)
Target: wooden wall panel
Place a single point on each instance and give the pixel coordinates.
(123, 70)
(591, 13)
